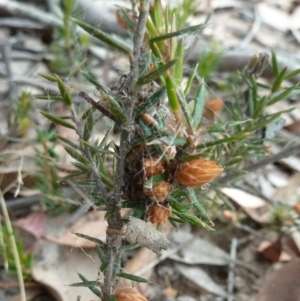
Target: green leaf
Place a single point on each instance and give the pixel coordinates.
(88, 127)
(104, 266)
(71, 144)
(236, 137)
(105, 138)
(291, 74)
(225, 200)
(127, 20)
(178, 33)
(179, 206)
(193, 156)
(100, 35)
(147, 139)
(152, 101)
(82, 167)
(87, 113)
(154, 180)
(172, 96)
(184, 107)
(178, 68)
(101, 254)
(252, 96)
(96, 291)
(72, 176)
(194, 200)
(129, 247)
(278, 81)
(133, 277)
(145, 62)
(156, 73)
(190, 80)
(112, 105)
(112, 298)
(157, 14)
(199, 105)
(225, 126)
(292, 91)
(174, 141)
(52, 78)
(48, 97)
(94, 81)
(85, 284)
(261, 105)
(275, 66)
(97, 149)
(90, 238)
(193, 220)
(76, 155)
(58, 120)
(64, 92)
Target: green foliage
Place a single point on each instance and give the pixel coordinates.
(22, 113)
(6, 255)
(233, 141)
(67, 48)
(47, 178)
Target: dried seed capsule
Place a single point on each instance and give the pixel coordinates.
(197, 172)
(158, 213)
(159, 191)
(153, 166)
(212, 107)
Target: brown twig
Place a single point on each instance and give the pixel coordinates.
(291, 151)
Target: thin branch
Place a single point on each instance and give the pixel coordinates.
(291, 151)
(138, 43)
(230, 280)
(96, 105)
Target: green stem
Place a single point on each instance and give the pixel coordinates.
(14, 247)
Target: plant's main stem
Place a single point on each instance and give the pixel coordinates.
(129, 89)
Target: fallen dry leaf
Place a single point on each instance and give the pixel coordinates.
(201, 279)
(56, 267)
(34, 224)
(273, 251)
(254, 206)
(282, 285)
(129, 295)
(92, 224)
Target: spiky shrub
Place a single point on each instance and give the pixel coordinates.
(162, 161)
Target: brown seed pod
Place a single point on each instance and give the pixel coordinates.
(158, 213)
(229, 215)
(149, 120)
(296, 207)
(212, 107)
(129, 295)
(197, 172)
(153, 166)
(138, 231)
(159, 191)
